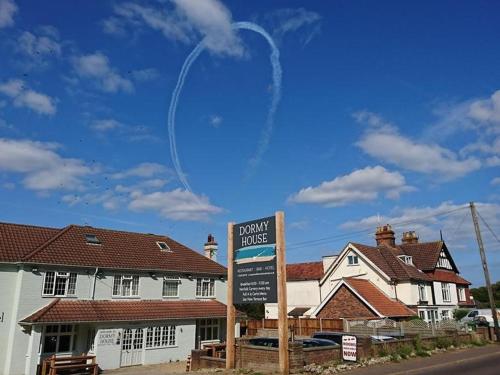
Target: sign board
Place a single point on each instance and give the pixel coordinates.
(349, 348)
(255, 273)
(107, 337)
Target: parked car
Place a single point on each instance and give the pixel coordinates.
(469, 318)
(486, 318)
(337, 337)
(314, 342)
(273, 342)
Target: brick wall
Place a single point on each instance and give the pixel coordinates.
(344, 304)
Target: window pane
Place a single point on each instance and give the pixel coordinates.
(72, 284)
(48, 287)
(116, 285)
(149, 337)
(60, 289)
(135, 286)
(171, 339)
(64, 343)
(49, 344)
(126, 287)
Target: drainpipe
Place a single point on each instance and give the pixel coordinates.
(94, 281)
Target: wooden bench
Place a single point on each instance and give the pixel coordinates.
(70, 365)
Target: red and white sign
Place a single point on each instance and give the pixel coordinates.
(349, 347)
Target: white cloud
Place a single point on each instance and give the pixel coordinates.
(37, 46)
(176, 205)
(22, 96)
(383, 142)
(452, 219)
(42, 167)
(359, 186)
(105, 125)
(147, 170)
(97, 66)
(487, 110)
(495, 181)
(7, 10)
(144, 75)
(188, 22)
(215, 120)
(290, 20)
(131, 133)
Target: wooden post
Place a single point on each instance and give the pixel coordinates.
(282, 302)
(231, 312)
(485, 269)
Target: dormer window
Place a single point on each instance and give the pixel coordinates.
(406, 259)
(92, 239)
(163, 246)
(352, 260)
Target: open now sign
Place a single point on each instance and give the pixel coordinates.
(349, 348)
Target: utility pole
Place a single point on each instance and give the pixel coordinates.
(485, 269)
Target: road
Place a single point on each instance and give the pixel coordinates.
(475, 361)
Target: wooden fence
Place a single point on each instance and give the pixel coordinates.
(300, 327)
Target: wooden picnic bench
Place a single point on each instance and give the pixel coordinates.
(70, 365)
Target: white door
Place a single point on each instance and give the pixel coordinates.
(132, 344)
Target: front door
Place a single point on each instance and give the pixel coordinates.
(132, 344)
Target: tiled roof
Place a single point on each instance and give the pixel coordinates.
(378, 299)
(118, 249)
(448, 277)
(73, 311)
(386, 259)
(304, 271)
(18, 240)
(425, 255)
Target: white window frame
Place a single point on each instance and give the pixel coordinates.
(445, 314)
(209, 291)
(407, 259)
(160, 245)
(69, 286)
(446, 292)
(118, 286)
(352, 260)
(461, 294)
(422, 293)
(161, 337)
(422, 315)
(443, 261)
(58, 334)
(170, 280)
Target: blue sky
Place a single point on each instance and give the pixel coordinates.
(389, 113)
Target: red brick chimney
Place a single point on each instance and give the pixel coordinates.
(409, 237)
(385, 236)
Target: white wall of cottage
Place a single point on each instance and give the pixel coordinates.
(299, 294)
(21, 294)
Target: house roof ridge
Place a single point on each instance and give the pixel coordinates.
(46, 243)
(29, 225)
(121, 231)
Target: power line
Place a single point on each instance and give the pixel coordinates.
(487, 226)
(320, 241)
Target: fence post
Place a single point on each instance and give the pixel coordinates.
(320, 324)
(433, 329)
(401, 329)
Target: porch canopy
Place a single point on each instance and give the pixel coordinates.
(90, 311)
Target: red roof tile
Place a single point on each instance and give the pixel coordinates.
(387, 260)
(18, 240)
(378, 299)
(304, 271)
(448, 277)
(118, 249)
(73, 311)
(425, 255)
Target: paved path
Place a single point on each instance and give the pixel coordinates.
(482, 360)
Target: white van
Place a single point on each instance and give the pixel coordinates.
(475, 313)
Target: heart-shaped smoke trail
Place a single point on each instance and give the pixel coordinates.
(267, 131)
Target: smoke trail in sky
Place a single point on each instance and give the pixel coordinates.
(266, 133)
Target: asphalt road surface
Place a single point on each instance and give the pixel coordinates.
(475, 361)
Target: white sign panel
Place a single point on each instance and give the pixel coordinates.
(349, 348)
(107, 337)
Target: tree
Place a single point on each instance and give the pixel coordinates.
(481, 295)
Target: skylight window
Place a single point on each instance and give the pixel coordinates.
(92, 239)
(163, 246)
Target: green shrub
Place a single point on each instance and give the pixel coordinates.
(382, 352)
(405, 351)
(394, 357)
(459, 313)
(443, 343)
(422, 353)
(417, 343)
